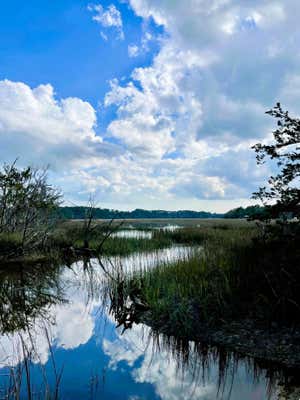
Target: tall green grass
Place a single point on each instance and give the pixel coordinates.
(71, 235)
(234, 275)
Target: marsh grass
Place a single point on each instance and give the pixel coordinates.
(214, 230)
(235, 275)
(70, 235)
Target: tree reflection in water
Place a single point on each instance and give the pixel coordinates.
(26, 294)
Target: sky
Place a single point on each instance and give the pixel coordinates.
(147, 103)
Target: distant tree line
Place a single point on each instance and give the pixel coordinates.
(251, 212)
(105, 213)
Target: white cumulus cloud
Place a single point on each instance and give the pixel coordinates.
(183, 125)
(108, 18)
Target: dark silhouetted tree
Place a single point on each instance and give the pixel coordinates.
(281, 195)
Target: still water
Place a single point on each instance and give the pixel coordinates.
(59, 340)
(143, 234)
(133, 233)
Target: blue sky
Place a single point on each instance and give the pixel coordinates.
(146, 103)
(57, 42)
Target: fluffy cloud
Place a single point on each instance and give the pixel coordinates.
(39, 128)
(159, 113)
(109, 18)
(143, 47)
(184, 124)
(221, 64)
(37, 111)
(133, 50)
(219, 17)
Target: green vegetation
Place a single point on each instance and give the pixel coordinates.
(250, 212)
(194, 235)
(101, 240)
(68, 242)
(27, 207)
(282, 188)
(234, 275)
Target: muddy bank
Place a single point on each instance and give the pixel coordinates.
(279, 345)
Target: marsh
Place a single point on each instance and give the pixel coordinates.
(62, 336)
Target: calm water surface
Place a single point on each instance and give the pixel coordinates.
(143, 234)
(133, 233)
(57, 331)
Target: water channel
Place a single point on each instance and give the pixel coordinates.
(59, 337)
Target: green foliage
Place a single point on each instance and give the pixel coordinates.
(233, 275)
(27, 205)
(282, 188)
(251, 212)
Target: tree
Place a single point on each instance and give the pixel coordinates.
(27, 203)
(278, 245)
(282, 189)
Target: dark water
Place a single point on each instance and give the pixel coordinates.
(59, 340)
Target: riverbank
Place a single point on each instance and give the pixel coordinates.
(248, 338)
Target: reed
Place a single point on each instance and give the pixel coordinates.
(234, 275)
